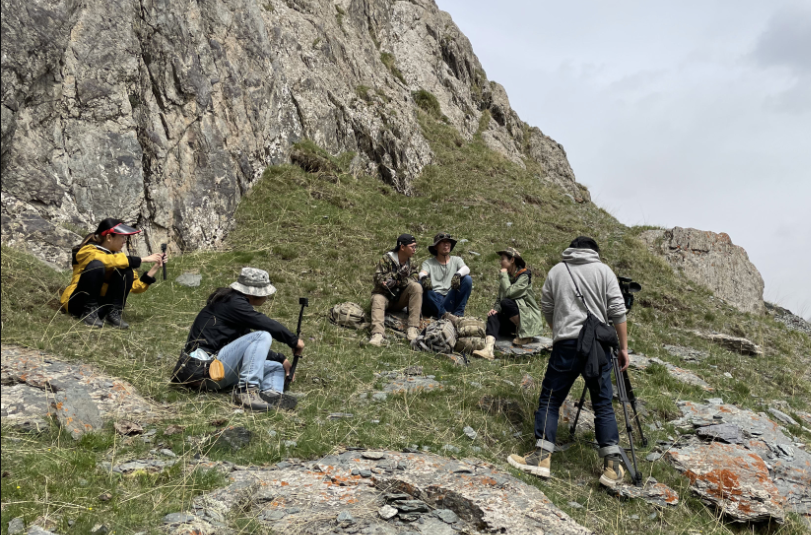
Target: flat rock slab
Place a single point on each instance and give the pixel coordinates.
(732, 478)
(190, 280)
(399, 383)
(505, 347)
(431, 494)
(640, 362)
(32, 380)
(76, 412)
(657, 494)
(760, 476)
(686, 353)
(731, 343)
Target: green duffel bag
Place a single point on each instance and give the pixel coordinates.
(468, 345)
(470, 328)
(350, 315)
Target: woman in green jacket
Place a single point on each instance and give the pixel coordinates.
(515, 310)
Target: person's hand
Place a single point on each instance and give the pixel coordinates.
(622, 357)
(299, 347)
(154, 257)
(456, 281)
(504, 270)
(391, 284)
(287, 366)
(492, 312)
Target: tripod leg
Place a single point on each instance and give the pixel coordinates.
(626, 379)
(580, 403)
(623, 396)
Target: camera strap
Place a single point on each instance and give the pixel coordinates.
(577, 290)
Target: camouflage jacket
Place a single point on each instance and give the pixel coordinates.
(388, 269)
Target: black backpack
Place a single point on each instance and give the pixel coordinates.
(595, 336)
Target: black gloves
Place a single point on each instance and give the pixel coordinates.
(426, 283)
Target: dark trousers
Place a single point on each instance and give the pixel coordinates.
(500, 324)
(564, 367)
(88, 289)
(434, 305)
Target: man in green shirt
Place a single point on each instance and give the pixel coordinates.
(445, 280)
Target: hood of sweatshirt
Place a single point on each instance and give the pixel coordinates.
(580, 256)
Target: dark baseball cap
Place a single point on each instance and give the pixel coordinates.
(404, 239)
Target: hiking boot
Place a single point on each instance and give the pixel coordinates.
(451, 318)
(487, 351)
(538, 462)
(376, 340)
(249, 398)
(613, 471)
(412, 333)
(522, 341)
(90, 316)
(113, 317)
(278, 399)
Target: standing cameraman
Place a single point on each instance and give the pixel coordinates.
(566, 313)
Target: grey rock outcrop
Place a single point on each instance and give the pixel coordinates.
(712, 260)
(165, 114)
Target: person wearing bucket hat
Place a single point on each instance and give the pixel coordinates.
(104, 275)
(396, 287)
(230, 328)
(515, 310)
(445, 280)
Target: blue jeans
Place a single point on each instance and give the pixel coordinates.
(564, 367)
(245, 363)
(435, 304)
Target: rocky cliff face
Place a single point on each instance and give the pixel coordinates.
(165, 113)
(712, 260)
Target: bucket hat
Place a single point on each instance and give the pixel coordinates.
(438, 238)
(513, 253)
(253, 281)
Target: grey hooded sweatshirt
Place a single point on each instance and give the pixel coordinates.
(559, 302)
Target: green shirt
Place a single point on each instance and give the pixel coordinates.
(441, 275)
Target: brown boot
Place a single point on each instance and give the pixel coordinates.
(412, 333)
(537, 463)
(376, 340)
(522, 341)
(487, 352)
(613, 471)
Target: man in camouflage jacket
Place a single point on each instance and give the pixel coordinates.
(395, 288)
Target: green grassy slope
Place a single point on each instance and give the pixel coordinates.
(319, 235)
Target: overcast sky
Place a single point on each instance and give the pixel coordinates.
(689, 113)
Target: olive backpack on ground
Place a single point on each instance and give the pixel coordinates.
(469, 344)
(350, 315)
(469, 327)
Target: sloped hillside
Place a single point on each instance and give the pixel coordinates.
(319, 233)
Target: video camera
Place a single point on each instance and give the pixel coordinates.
(628, 288)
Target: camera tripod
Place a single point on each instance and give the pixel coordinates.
(625, 392)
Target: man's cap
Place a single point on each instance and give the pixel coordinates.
(404, 239)
(253, 281)
(438, 238)
(115, 226)
(513, 253)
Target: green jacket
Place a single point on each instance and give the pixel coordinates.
(519, 289)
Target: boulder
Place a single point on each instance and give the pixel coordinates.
(426, 491)
(759, 476)
(712, 260)
(736, 344)
(167, 113)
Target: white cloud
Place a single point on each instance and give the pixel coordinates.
(687, 113)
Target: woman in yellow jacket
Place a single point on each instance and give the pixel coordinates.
(103, 275)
